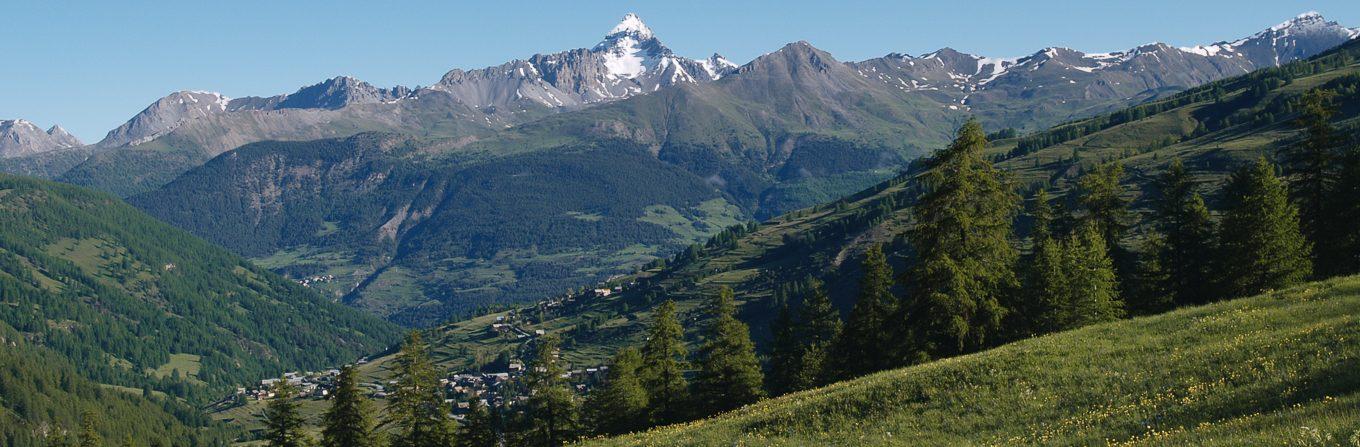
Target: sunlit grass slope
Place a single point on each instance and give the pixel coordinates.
(1277, 369)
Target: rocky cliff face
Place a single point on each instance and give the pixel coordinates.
(20, 138)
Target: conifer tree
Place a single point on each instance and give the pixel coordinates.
(614, 408)
(1346, 256)
(785, 353)
(1044, 277)
(1313, 162)
(478, 429)
(1046, 288)
(552, 406)
(965, 259)
(1101, 198)
(1041, 211)
(283, 423)
(1070, 284)
(821, 326)
(1262, 248)
(416, 408)
(61, 439)
(729, 374)
(1186, 249)
(1092, 289)
(860, 348)
(663, 366)
(1150, 293)
(89, 435)
(349, 420)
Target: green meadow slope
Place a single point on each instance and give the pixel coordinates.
(1276, 369)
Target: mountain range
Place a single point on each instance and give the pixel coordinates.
(1032, 92)
(503, 184)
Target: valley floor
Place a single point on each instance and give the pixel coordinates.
(1277, 369)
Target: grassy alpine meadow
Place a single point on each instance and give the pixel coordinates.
(1277, 369)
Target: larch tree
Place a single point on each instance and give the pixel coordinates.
(89, 433)
(965, 262)
(1092, 294)
(663, 366)
(416, 409)
(283, 424)
(349, 420)
(1101, 197)
(1186, 251)
(552, 407)
(866, 335)
(786, 351)
(821, 324)
(615, 407)
(1313, 163)
(1044, 276)
(478, 429)
(729, 374)
(1347, 214)
(1261, 245)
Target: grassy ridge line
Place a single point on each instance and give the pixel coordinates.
(1269, 370)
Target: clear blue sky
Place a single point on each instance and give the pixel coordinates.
(91, 65)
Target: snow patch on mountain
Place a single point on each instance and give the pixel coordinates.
(717, 66)
(993, 67)
(625, 58)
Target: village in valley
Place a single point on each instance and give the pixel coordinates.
(496, 385)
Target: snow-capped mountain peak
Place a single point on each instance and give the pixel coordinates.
(717, 66)
(631, 25)
(1306, 19)
(1280, 38)
(630, 49)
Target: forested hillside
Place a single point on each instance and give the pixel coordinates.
(131, 302)
(416, 240)
(46, 400)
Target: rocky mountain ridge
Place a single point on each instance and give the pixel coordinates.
(21, 137)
